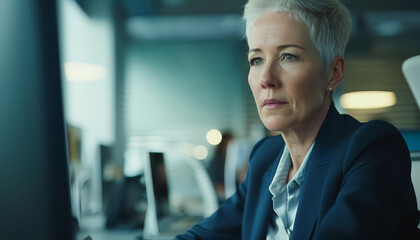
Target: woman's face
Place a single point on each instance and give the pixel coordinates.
(285, 73)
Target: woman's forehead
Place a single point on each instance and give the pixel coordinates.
(278, 28)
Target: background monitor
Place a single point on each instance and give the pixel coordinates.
(34, 182)
(160, 183)
(157, 193)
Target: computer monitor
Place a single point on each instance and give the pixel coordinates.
(160, 183)
(34, 179)
(156, 191)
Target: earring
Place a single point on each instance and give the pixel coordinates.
(330, 89)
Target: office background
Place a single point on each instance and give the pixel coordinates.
(171, 70)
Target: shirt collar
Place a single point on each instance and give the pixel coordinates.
(279, 180)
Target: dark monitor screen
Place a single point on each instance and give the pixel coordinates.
(34, 182)
(160, 183)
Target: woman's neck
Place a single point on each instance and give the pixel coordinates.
(299, 139)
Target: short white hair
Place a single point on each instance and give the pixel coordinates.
(328, 21)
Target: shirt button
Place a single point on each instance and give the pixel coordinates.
(292, 185)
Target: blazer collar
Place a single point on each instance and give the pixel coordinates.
(265, 205)
(322, 154)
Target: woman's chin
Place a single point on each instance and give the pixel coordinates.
(275, 124)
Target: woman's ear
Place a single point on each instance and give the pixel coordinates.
(336, 72)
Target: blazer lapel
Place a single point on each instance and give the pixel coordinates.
(319, 161)
(309, 199)
(265, 205)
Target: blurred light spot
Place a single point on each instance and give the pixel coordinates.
(214, 137)
(200, 152)
(368, 99)
(80, 72)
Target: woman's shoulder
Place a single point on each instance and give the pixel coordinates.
(368, 131)
(376, 130)
(376, 136)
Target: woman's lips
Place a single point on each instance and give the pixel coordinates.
(273, 103)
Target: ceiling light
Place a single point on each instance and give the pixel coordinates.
(79, 71)
(368, 99)
(214, 137)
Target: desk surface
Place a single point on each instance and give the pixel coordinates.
(109, 234)
(94, 226)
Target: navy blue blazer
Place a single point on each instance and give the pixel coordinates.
(357, 186)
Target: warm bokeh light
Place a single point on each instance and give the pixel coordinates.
(368, 100)
(80, 72)
(200, 152)
(214, 137)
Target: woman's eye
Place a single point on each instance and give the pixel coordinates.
(255, 61)
(290, 57)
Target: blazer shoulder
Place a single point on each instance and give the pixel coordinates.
(380, 137)
(377, 130)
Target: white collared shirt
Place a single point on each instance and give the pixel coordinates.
(285, 197)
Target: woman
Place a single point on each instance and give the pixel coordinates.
(326, 176)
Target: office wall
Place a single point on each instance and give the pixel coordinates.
(182, 89)
(382, 73)
(89, 105)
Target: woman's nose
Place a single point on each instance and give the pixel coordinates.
(269, 77)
